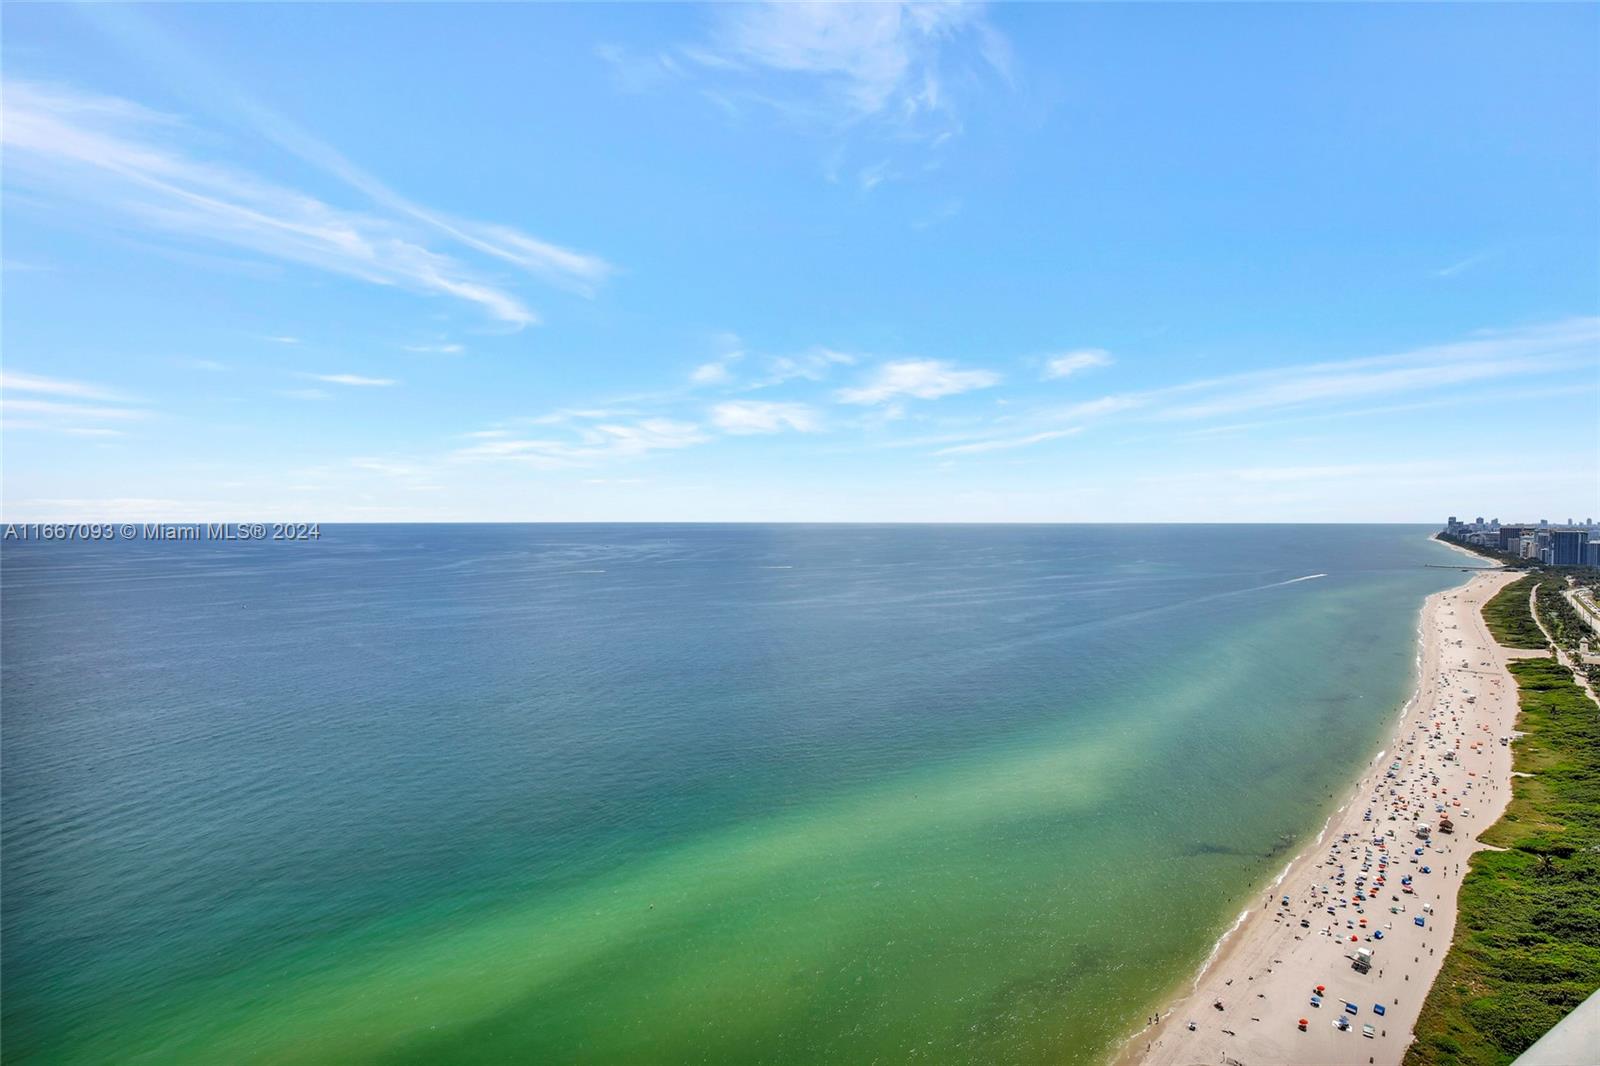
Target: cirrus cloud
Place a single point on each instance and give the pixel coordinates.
(744, 417)
(355, 380)
(127, 161)
(922, 379)
(1069, 363)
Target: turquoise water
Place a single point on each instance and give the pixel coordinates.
(666, 793)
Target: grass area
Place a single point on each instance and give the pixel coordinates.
(1527, 939)
(1559, 616)
(1509, 618)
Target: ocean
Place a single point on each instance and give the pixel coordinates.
(667, 793)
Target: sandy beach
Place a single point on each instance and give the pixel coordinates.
(1382, 877)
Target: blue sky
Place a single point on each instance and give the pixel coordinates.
(609, 262)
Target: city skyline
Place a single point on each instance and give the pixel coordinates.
(1569, 543)
(767, 263)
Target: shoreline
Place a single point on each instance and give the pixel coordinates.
(1265, 965)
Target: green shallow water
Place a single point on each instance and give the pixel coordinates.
(959, 794)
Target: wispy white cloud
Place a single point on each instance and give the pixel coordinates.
(939, 215)
(1317, 472)
(1069, 363)
(1490, 356)
(886, 61)
(716, 373)
(1007, 443)
(355, 380)
(34, 402)
(1461, 266)
(1099, 408)
(80, 411)
(922, 379)
(92, 431)
(1327, 390)
(590, 443)
(568, 415)
(126, 508)
(16, 381)
(719, 371)
(640, 71)
(563, 267)
(814, 364)
(1453, 399)
(393, 468)
(211, 86)
(434, 349)
(743, 417)
(870, 177)
(118, 157)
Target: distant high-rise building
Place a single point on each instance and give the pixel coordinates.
(1593, 554)
(1569, 547)
(1509, 535)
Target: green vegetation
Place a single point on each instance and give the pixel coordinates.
(1559, 616)
(1527, 939)
(1509, 618)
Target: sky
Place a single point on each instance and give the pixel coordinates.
(897, 262)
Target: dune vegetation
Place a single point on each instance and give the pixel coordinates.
(1511, 620)
(1527, 941)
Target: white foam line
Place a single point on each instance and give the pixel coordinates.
(1217, 947)
(1327, 824)
(1354, 795)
